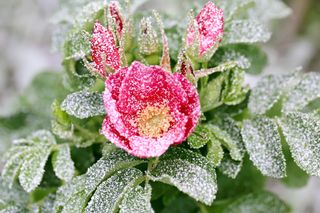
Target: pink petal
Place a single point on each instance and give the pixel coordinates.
(105, 54)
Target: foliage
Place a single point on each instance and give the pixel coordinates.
(244, 135)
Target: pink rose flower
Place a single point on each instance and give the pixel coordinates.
(105, 53)
(149, 109)
(209, 23)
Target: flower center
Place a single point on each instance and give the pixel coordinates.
(154, 121)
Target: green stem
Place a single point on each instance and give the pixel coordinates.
(151, 165)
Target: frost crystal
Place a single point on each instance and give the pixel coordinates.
(137, 200)
(83, 104)
(230, 167)
(263, 143)
(62, 163)
(109, 194)
(245, 31)
(302, 133)
(307, 90)
(231, 7)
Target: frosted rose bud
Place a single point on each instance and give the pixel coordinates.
(149, 109)
(114, 10)
(206, 32)
(148, 39)
(105, 54)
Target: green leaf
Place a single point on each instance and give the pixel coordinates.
(230, 167)
(62, 163)
(260, 202)
(215, 151)
(106, 166)
(248, 57)
(232, 7)
(234, 92)
(307, 90)
(83, 104)
(137, 200)
(210, 96)
(269, 91)
(190, 172)
(109, 193)
(234, 145)
(33, 168)
(302, 133)
(68, 191)
(13, 195)
(76, 203)
(263, 143)
(276, 9)
(199, 138)
(43, 137)
(77, 44)
(245, 31)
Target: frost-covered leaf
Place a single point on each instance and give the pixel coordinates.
(215, 151)
(62, 163)
(245, 31)
(84, 104)
(234, 91)
(137, 200)
(106, 166)
(263, 143)
(42, 136)
(229, 167)
(248, 57)
(13, 195)
(109, 193)
(199, 138)
(77, 44)
(76, 203)
(260, 202)
(210, 96)
(268, 92)
(61, 131)
(70, 190)
(190, 172)
(233, 7)
(307, 90)
(219, 68)
(267, 10)
(32, 169)
(302, 133)
(234, 145)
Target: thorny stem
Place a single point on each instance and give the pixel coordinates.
(151, 165)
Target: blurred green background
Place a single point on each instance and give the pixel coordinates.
(25, 43)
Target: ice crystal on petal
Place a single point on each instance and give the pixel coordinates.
(307, 90)
(245, 31)
(83, 104)
(302, 133)
(257, 202)
(109, 194)
(137, 200)
(263, 143)
(105, 54)
(62, 163)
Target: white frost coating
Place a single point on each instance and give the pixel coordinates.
(33, 168)
(83, 104)
(258, 202)
(268, 91)
(229, 167)
(307, 90)
(14, 195)
(76, 203)
(62, 163)
(42, 136)
(245, 31)
(263, 143)
(106, 166)
(189, 178)
(109, 194)
(62, 131)
(231, 7)
(69, 190)
(302, 133)
(137, 201)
